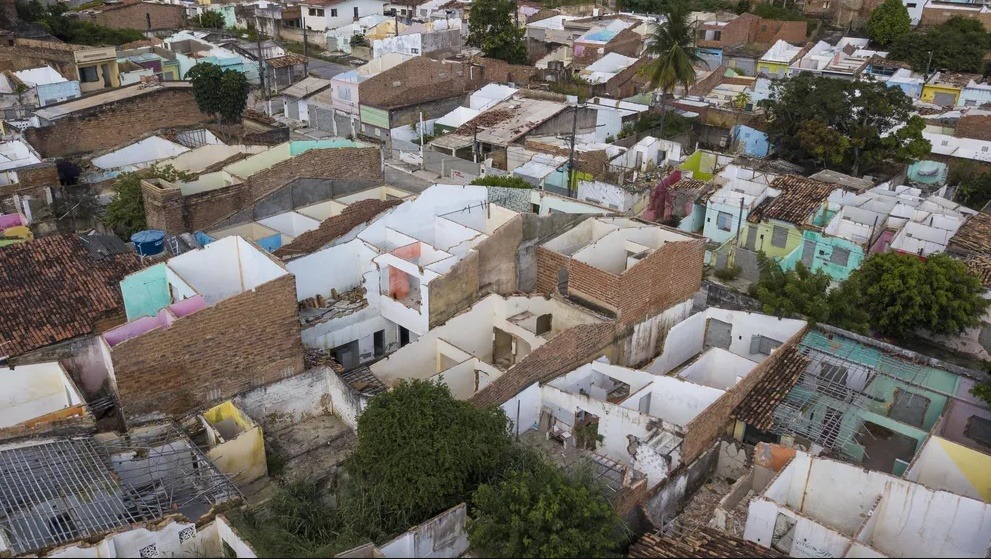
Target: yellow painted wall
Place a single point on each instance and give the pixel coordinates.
(930, 90)
(243, 457)
(974, 465)
(772, 68)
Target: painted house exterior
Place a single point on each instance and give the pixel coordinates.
(321, 15)
(750, 141)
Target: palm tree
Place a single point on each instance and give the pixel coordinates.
(673, 47)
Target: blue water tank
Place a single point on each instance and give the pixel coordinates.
(149, 243)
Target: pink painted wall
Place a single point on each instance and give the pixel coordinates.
(10, 220)
(187, 307)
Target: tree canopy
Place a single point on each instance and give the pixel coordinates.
(71, 29)
(849, 126)
(508, 181)
(903, 293)
(492, 28)
(958, 45)
(211, 19)
(222, 93)
(892, 293)
(422, 451)
(126, 212)
(673, 47)
(800, 292)
(888, 22)
(542, 513)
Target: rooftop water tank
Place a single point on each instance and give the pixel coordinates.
(149, 243)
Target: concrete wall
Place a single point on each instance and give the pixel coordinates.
(666, 499)
(443, 536)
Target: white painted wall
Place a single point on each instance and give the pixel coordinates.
(443, 536)
(935, 468)
(717, 368)
(339, 267)
(678, 402)
(527, 404)
(30, 391)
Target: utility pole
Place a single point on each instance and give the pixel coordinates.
(474, 142)
(306, 51)
(928, 62)
(261, 66)
(572, 187)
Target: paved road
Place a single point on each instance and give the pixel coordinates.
(324, 69)
(406, 181)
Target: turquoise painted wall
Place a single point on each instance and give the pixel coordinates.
(694, 221)
(931, 383)
(146, 292)
(824, 246)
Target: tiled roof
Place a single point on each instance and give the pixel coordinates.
(757, 407)
(688, 184)
(981, 266)
(54, 289)
(973, 237)
(291, 59)
(332, 228)
(799, 197)
(706, 542)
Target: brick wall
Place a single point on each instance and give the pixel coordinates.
(500, 71)
(977, 127)
(239, 343)
(141, 15)
(30, 179)
(455, 291)
(708, 426)
(594, 285)
(174, 213)
(163, 208)
(670, 275)
(623, 84)
(418, 80)
(118, 123)
(562, 354)
(934, 15)
(548, 265)
(31, 53)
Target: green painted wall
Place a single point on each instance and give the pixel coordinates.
(146, 292)
(371, 116)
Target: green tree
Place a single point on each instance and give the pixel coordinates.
(233, 95)
(222, 93)
(903, 294)
(211, 19)
(974, 191)
(888, 22)
(672, 46)
(508, 181)
(421, 451)
(802, 293)
(958, 45)
(491, 28)
(126, 212)
(542, 513)
(872, 123)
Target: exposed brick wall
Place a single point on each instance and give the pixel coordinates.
(933, 15)
(670, 275)
(31, 53)
(500, 71)
(241, 342)
(623, 84)
(562, 354)
(548, 265)
(455, 291)
(497, 258)
(118, 123)
(164, 210)
(708, 426)
(595, 285)
(418, 80)
(30, 180)
(977, 127)
(140, 15)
